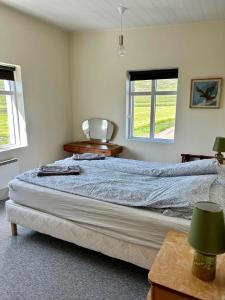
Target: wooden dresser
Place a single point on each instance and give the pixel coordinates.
(171, 276)
(93, 147)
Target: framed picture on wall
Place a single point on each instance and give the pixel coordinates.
(205, 93)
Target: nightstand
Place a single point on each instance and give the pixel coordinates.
(171, 277)
(93, 147)
(191, 157)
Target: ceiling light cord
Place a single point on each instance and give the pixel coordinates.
(121, 24)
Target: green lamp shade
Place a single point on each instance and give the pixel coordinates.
(219, 144)
(207, 231)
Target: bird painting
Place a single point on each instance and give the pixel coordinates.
(205, 93)
(209, 93)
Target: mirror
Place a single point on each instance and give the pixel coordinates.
(98, 129)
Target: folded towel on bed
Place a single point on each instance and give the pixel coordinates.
(88, 156)
(58, 170)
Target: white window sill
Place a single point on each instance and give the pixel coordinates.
(9, 148)
(162, 141)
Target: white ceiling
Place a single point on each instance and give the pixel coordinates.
(103, 14)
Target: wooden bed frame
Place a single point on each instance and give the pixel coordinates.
(14, 229)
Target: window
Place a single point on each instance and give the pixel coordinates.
(151, 105)
(12, 120)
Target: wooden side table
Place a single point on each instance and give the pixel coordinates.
(185, 157)
(171, 277)
(93, 147)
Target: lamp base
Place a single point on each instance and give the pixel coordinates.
(219, 156)
(204, 266)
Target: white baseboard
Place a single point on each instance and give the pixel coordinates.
(8, 170)
(4, 194)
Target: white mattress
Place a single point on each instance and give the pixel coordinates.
(134, 225)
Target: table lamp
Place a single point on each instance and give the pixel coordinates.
(219, 146)
(207, 237)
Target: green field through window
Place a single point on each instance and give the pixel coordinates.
(164, 117)
(4, 122)
(141, 116)
(165, 113)
(165, 110)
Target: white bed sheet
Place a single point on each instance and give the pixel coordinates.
(134, 225)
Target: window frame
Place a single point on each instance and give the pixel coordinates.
(130, 111)
(18, 113)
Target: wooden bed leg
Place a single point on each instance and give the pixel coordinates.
(14, 229)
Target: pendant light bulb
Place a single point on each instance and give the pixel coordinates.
(121, 48)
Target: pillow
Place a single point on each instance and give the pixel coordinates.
(197, 167)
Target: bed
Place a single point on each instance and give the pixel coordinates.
(130, 233)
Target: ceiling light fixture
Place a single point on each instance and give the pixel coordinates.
(121, 48)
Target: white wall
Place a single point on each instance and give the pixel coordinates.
(98, 81)
(42, 51)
